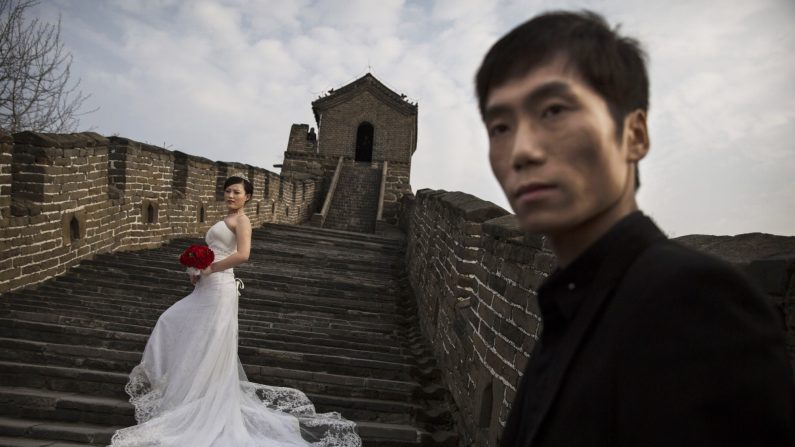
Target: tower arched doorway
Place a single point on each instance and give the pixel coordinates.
(364, 142)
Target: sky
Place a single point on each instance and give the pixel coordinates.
(225, 79)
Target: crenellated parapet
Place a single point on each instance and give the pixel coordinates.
(64, 198)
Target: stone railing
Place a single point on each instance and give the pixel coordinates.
(474, 275)
(379, 215)
(318, 219)
(64, 198)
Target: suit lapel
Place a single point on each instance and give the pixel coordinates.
(611, 271)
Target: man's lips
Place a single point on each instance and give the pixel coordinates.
(533, 190)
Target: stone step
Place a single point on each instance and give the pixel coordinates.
(326, 312)
(140, 319)
(51, 328)
(87, 434)
(71, 314)
(319, 311)
(355, 202)
(302, 294)
(73, 356)
(137, 318)
(47, 433)
(57, 333)
(370, 273)
(6, 441)
(61, 378)
(65, 406)
(339, 385)
(82, 356)
(111, 384)
(314, 233)
(288, 248)
(253, 306)
(63, 322)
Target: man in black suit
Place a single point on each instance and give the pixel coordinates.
(645, 342)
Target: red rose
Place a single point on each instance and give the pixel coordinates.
(197, 256)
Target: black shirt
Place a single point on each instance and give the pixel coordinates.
(648, 343)
(560, 298)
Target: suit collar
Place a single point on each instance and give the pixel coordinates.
(565, 290)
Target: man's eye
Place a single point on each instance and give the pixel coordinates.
(497, 129)
(553, 110)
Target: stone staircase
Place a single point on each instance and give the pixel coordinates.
(355, 202)
(325, 311)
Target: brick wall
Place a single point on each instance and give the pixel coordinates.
(474, 275)
(396, 186)
(64, 198)
(394, 132)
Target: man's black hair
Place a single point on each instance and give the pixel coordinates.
(614, 66)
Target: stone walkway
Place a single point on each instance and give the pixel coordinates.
(331, 309)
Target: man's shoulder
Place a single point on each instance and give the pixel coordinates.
(678, 284)
(667, 257)
(667, 268)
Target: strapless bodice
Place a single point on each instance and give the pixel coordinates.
(221, 240)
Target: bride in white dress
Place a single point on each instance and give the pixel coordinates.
(190, 390)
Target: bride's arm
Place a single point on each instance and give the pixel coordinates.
(243, 233)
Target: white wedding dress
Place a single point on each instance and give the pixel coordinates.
(190, 391)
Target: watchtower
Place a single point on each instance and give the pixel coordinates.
(366, 136)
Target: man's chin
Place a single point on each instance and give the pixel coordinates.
(536, 224)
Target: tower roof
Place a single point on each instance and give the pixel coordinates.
(369, 83)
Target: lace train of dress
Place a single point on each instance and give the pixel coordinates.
(190, 389)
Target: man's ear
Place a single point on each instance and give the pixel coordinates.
(636, 135)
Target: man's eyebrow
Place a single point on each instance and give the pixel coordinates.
(545, 91)
(495, 111)
(552, 88)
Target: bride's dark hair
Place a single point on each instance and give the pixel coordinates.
(247, 186)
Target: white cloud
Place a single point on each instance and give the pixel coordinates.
(225, 79)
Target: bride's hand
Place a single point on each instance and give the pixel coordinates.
(207, 271)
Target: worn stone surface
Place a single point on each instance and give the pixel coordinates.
(327, 312)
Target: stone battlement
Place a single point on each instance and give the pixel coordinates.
(64, 198)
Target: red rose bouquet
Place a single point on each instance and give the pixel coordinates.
(197, 258)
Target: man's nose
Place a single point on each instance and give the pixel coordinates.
(527, 147)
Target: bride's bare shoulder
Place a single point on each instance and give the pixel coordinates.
(242, 219)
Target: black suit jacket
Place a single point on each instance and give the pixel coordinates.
(669, 347)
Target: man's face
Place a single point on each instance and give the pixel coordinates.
(553, 148)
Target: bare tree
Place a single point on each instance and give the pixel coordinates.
(35, 89)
